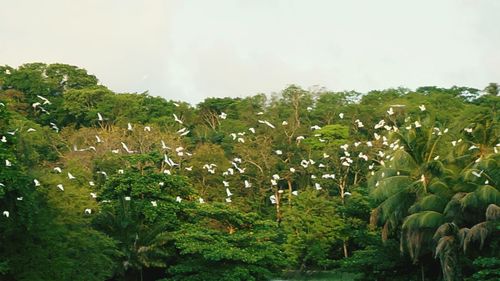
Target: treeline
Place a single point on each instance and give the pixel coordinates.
(396, 184)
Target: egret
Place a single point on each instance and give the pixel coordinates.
(178, 199)
(155, 204)
(228, 192)
(37, 183)
(252, 130)
(284, 123)
(341, 115)
(228, 200)
(126, 148)
(88, 211)
(8, 163)
(99, 117)
(176, 119)
(129, 127)
(201, 200)
(317, 186)
(61, 187)
(390, 111)
(247, 184)
(295, 192)
(127, 198)
(223, 115)
(279, 152)
(30, 130)
(93, 195)
(6, 213)
(147, 128)
(422, 107)
(98, 139)
(3, 139)
(70, 176)
(273, 199)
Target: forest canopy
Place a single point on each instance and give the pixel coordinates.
(394, 184)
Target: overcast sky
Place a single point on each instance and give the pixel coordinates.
(189, 50)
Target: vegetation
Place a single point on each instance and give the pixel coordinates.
(391, 184)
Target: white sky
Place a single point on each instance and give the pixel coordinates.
(190, 50)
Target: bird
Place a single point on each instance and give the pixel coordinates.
(347, 193)
(127, 198)
(61, 187)
(8, 163)
(284, 123)
(341, 115)
(228, 200)
(317, 186)
(99, 117)
(252, 130)
(279, 152)
(58, 169)
(98, 139)
(477, 174)
(295, 192)
(126, 148)
(129, 127)
(185, 133)
(247, 184)
(3, 139)
(422, 107)
(93, 195)
(70, 176)
(147, 128)
(228, 192)
(88, 211)
(164, 146)
(154, 203)
(273, 199)
(176, 119)
(223, 115)
(390, 111)
(30, 130)
(37, 183)
(6, 213)
(178, 199)
(201, 200)
(417, 124)
(45, 100)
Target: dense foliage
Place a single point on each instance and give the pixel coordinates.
(391, 184)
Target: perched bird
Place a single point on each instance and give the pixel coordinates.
(6, 213)
(390, 111)
(129, 127)
(37, 183)
(99, 117)
(178, 199)
(88, 211)
(70, 176)
(61, 187)
(422, 107)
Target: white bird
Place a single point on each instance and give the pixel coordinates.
(223, 115)
(19, 198)
(4, 139)
(292, 170)
(225, 183)
(473, 147)
(45, 100)
(185, 133)
(284, 123)
(347, 193)
(93, 195)
(260, 113)
(6, 213)
(34, 105)
(299, 138)
(178, 199)
(341, 115)
(436, 158)
(317, 186)
(129, 127)
(8, 163)
(30, 130)
(176, 119)
(252, 130)
(37, 183)
(247, 184)
(276, 177)
(88, 211)
(147, 128)
(422, 107)
(417, 124)
(309, 108)
(228, 200)
(468, 130)
(295, 192)
(477, 174)
(61, 187)
(126, 148)
(315, 127)
(273, 182)
(98, 139)
(163, 145)
(228, 192)
(154, 203)
(70, 176)
(58, 169)
(279, 152)
(201, 200)
(273, 199)
(99, 117)
(390, 111)
(127, 198)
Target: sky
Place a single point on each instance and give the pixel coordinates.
(189, 50)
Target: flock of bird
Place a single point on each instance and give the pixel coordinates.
(346, 160)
